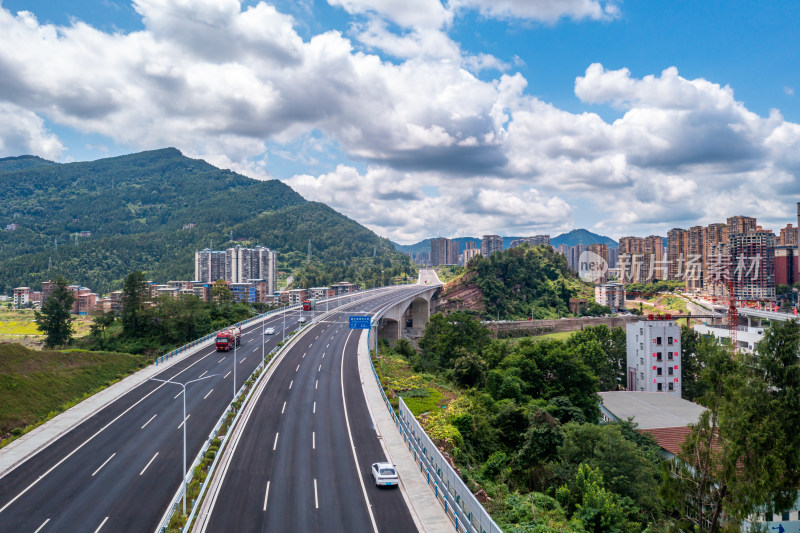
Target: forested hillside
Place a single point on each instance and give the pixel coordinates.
(152, 210)
(518, 283)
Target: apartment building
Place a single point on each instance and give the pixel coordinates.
(693, 267)
(676, 253)
(752, 264)
(22, 295)
(654, 356)
(237, 265)
(491, 244)
(611, 295)
(444, 251)
(469, 253)
(788, 236)
(535, 240)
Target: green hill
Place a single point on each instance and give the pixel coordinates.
(152, 210)
(518, 283)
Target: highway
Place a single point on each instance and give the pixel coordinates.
(302, 461)
(119, 469)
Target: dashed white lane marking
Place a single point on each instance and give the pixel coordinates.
(298, 368)
(208, 394)
(291, 383)
(284, 407)
(148, 463)
(221, 360)
(275, 444)
(203, 374)
(313, 440)
(43, 524)
(101, 525)
(316, 500)
(184, 420)
(181, 392)
(266, 496)
(226, 375)
(320, 368)
(314, 409)
(316, 384)
(242, 361)
(151, 419)
(104, 464)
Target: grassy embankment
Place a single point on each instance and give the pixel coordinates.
(37, 385)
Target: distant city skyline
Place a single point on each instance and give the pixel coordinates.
(468, 116)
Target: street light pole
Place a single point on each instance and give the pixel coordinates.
(183, 385)
(234, 367)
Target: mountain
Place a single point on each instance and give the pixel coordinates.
(582, 236)
(152, 210)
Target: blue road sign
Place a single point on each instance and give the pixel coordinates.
(360, 322)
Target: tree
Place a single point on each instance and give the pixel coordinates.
(134, 296)
(693, 351)
(55, 318)
(742, 456)
(220, 292)
(100, 322)
(444, 335)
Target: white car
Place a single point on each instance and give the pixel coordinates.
(269, 331)
(302, 320)
(384, 474)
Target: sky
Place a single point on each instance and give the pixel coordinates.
(427, 118)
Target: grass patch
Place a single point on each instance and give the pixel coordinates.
(423, 400)
(37, 385)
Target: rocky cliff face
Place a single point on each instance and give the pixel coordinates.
(461, 294)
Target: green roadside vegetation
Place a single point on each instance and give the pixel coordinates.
(37, 385)
(520, 420)
(449, 272)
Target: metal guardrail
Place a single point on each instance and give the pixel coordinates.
(164, 524)
(452, 493)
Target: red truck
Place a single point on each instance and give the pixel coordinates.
(228, 338)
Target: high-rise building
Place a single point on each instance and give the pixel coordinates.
(788, 236)
(715, 236)
(444, 252)
(469, 253)
(536, 240)
(752, 264)
(785, 265)
(693, 266)
(740, 224)
(602, 251)
(209, 265)
(237, 265)
(491, 244)
(676, 253)
(654, 251)
(654, 356)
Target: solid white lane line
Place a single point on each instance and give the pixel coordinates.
(275, 444)
(291, 383)
(316, 384)
(298, 368)
(266, 495)
(101, 525)
(313, 441)
(203, 374)
(314, 410)
(96, 433)
(226, 375)
(151, 419)
(208, 394)
(242, 361)
(316, 500)
(181, 392)
(350, 435)
(221, 360)
(184, 420)
(284, 407)
(43, 524)
(148, 463)
(104, 464)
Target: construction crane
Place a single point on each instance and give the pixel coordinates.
(733, 317)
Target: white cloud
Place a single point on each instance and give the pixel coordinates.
(23, 132)
(542, 10)
(237, 87)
